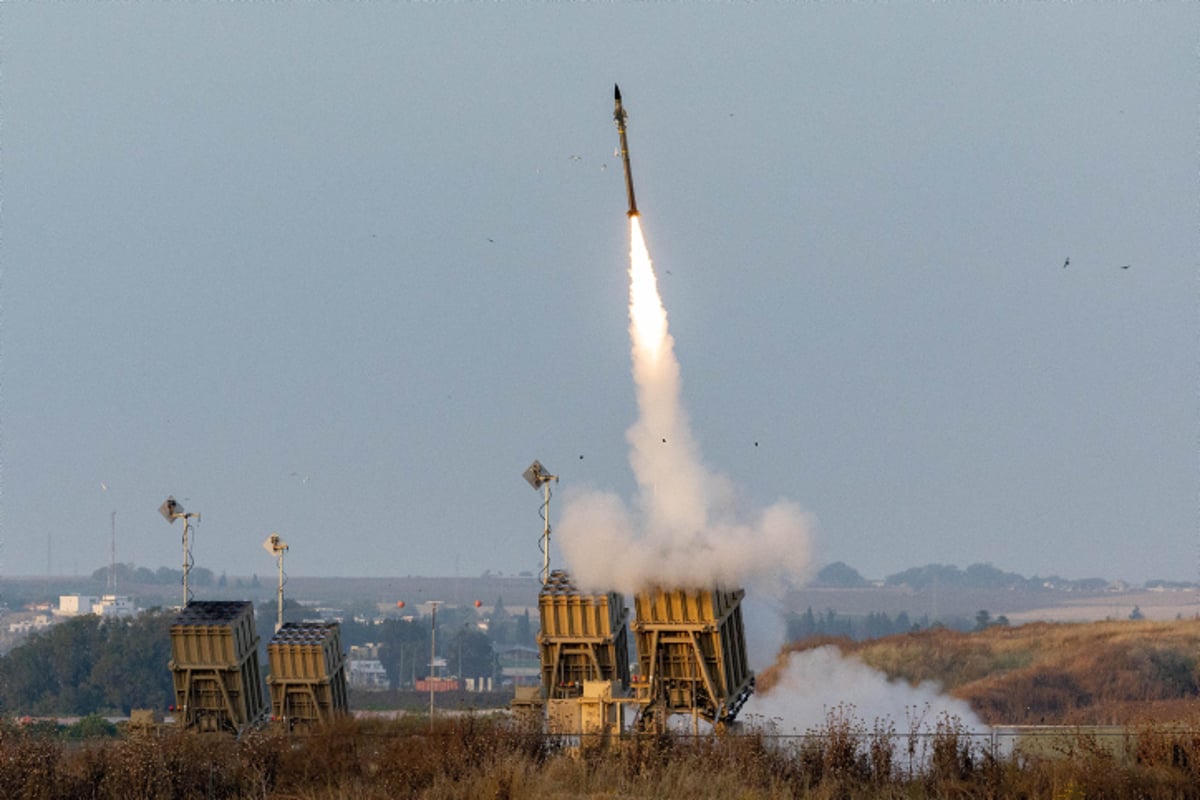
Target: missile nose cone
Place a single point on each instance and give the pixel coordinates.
(616, 93)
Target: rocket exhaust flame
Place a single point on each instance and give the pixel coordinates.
(664, 455)
(647, 317)
(685, 529)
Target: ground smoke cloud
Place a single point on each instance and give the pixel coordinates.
(813, 681)
(684, 530)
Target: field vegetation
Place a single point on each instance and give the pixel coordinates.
(1099, 673)
(486, 757)
(1138, 678)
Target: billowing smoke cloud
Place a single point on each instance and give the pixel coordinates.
(814, 681)
(684, 529)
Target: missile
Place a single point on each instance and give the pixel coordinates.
(619, 116)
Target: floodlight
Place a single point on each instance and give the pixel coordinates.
(170, 510)
(274, 545)
(537, 475)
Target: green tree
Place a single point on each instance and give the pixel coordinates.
(524, 631)
(125, 573)
(86, 666)
(500, 624)
(839, 574)
(403, 649)
(470, 653)
(802, 626)
(167, 575)
(93, 726)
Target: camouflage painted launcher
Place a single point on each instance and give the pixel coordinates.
(214, 665)
(691, 654)
(308, 675)
(583, 637)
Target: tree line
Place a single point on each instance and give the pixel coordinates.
(88, 665)
(875, 625)
(85, 666)
(126, 574)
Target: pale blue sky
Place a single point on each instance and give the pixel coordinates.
(342, 271)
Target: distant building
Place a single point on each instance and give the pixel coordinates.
(366, 673)
(364, 652)
(112, 606)
(40, 622)
(519, 665)
(73, 605)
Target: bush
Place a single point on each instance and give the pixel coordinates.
(93, 726)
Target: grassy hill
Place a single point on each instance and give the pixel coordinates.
(1052, 673)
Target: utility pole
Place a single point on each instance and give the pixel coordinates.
(112, 558)
(432, 658)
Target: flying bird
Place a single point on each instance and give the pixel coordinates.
(1125, 266)
(1067, 263)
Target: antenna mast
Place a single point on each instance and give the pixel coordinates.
(171, 511)
(112, 557)
(539, 478)
(277, 547)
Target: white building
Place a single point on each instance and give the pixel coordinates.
(73, 605)
(114, 606)
(109, 606)
(366, 673)
(40, 622)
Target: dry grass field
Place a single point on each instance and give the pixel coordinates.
(474, 758)
(1099, 673)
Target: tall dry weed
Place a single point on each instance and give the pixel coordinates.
(29, 766)
(474, 758)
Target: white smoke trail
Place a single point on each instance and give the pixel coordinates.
(686, 531)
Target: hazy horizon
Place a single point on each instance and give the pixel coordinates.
(268, 575)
